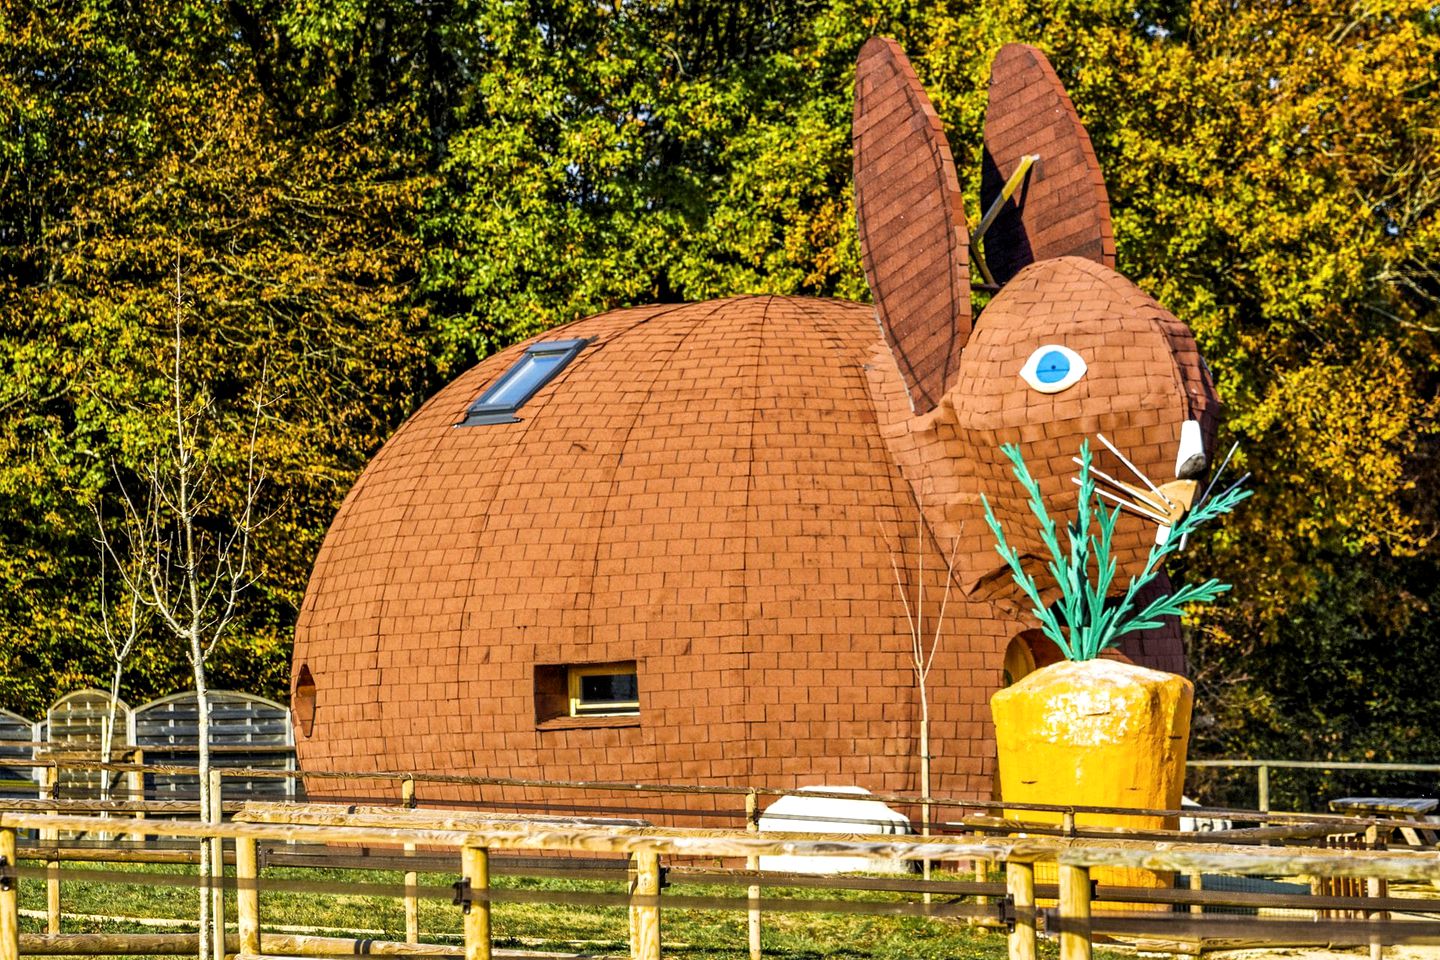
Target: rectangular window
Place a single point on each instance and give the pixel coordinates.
(536, 367)
(605, 690)
(571, 696)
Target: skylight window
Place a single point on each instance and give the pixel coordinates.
(536, 367)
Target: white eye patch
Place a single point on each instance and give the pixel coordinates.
(1052, 368)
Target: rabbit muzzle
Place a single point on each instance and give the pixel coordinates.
(1164, 504)
(1179, 497)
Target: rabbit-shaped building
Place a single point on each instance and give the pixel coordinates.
(684, 542)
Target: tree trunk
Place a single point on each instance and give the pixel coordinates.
(925, 777)
(107, 733)
(202, 730)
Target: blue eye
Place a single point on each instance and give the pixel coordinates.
(1052, 368)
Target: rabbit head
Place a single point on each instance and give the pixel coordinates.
(1066, 351)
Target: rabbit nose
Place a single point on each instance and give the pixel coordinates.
(1190, 460)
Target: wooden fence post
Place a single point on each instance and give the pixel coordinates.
(136, 780)
(1074, 913)
(412, 899)
(247, 894)
(1020, 884)
(217, 865)
(52, 867)
(1264, 785)
(752, 825)
(9, 898)
(475, 865)
(645, 919)
(1375, 887)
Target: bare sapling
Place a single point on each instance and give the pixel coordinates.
(923, 647)
(184, 556)
(122, 628)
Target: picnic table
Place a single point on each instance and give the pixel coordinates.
(1395, 808)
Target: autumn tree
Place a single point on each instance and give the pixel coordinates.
(374, 194)
(133, 138)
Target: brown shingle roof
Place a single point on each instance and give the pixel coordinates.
(705, 490)
(725, 493)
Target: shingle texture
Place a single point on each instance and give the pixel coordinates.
(748, 498)
(1062, 209)
(1144, 381)
(912, 221)
(715, 491)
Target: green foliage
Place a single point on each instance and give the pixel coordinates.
(1091, 623)
(370, 195)
(146, 141)
(646, 152)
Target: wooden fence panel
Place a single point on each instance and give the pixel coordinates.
(17, 750)
(246, 732)
(76, 724)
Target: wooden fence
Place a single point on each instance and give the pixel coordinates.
(463, 841)
(250, 732)
(246, 732)
(1263, 769)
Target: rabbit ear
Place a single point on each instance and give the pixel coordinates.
(1061, 208)
(912, 222)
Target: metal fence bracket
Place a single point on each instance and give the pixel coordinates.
(464, 895)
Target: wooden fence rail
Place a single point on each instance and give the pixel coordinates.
(1262, 770)
(470, 840)
(405, 785)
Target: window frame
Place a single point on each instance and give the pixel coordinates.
(485, 411)
(621, 708)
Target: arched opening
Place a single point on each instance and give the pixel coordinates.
(302, 701)
(1027, 652)
(1019, 661)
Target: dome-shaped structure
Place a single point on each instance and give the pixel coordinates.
(685, 542)
(702, 492)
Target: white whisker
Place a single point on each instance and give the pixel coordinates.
(1137, 494)
(1215, 478)
(1127, 504)
(1134, 469)
(1236, 483)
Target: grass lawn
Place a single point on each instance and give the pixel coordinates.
(351, 909)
